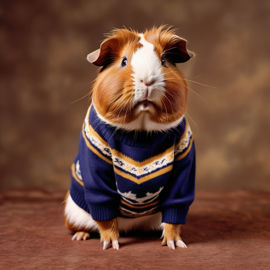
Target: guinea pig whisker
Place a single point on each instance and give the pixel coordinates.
(189, 116)
(117, 97)
(190, 88)
(170, 94)
(165, 109)
(201, 84)
(79, 99)
(207, 102)
(170, 103)
(126, 113)
(171, 71)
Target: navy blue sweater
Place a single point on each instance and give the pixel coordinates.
(132, 174)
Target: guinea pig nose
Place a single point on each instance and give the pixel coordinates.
(148, 83)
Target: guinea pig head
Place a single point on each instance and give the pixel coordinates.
(138, 86)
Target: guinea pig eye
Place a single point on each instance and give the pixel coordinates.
(163, 62)
(124, 62)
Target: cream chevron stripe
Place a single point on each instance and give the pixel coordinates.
(146, 161)
(75, 176)
(146, 177)
(158, 163)
(93, 149)
(95, 140)
(186, 152)
(184, 141)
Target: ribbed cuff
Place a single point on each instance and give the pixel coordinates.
(103, 213)
(175, 215)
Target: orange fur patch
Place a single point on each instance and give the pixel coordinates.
(171, 232)
(174, 103)
(108, 230)
(112, 93)
(169, 44)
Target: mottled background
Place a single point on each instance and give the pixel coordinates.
(43, 46)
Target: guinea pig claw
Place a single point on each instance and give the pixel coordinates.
(106, 245)
(80, 236)
(180, 243)
(170, 244)
(115, 244)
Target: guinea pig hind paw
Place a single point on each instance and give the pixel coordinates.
(180, 243)
(80, 236)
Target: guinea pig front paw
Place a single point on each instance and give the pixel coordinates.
(108, 244)
(109, 233)
(80, 236)
(171, 236)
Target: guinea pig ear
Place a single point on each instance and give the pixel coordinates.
(176, 50)
(105, 54)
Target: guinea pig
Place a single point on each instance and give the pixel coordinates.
(135, 168)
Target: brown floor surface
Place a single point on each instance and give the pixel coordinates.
(224, 230)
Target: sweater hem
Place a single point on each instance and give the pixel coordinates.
(103, 213)
(175, 215)
(78, 197)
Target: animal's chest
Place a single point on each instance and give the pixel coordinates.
(140, 178)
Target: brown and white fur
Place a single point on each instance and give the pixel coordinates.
(138, 88)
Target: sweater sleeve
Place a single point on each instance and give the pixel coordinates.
(97, 173)
(179, 191)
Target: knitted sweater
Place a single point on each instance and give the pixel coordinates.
(132, 174)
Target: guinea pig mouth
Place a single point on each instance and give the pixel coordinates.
(145, 103)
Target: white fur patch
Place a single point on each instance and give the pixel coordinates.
(142, 123)
(184, 142)
(145, 223)
(147, 69)
(79, 217)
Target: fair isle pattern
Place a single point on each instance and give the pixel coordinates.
(132, 214)
(144, 178)
(139, 206)
(140, 171)
(132, 206)
(132, 198)
(122, 169)
(136, 171)
(184, 141)
(96, 140)
(127, 164)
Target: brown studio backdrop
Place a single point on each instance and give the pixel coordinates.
(43, 70)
